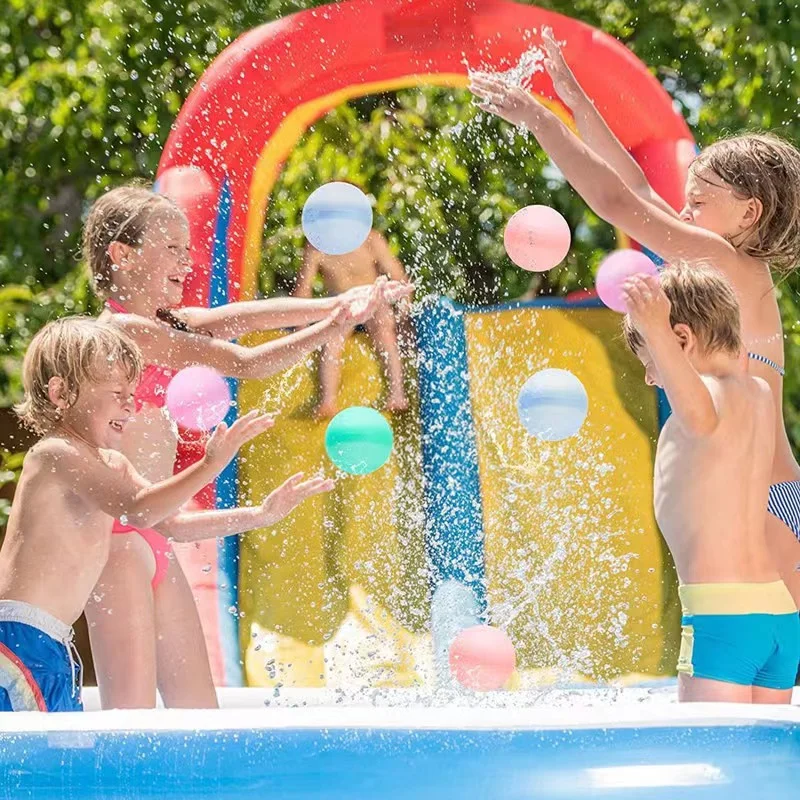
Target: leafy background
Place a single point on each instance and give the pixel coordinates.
(88, 91)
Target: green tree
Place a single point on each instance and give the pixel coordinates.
(88, 91)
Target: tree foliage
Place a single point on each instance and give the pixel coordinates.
(88, 91)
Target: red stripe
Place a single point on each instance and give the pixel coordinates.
(37, 692)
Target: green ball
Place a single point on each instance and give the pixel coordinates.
(359, 440)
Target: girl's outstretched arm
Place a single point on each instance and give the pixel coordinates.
(604, 191)
(235, 319)
(176, 349)
(592, 128)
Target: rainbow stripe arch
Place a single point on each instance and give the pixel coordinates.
(253, 104)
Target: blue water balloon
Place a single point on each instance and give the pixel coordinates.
(337, 218)
(552, 405)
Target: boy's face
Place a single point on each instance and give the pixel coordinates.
(651, 376)
(102, 410)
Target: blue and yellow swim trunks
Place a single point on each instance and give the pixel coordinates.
(743, 633)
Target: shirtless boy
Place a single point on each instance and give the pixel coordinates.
(79, 377)
(339, 274)
(741, 633)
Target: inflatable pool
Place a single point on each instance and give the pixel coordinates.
(562, 745)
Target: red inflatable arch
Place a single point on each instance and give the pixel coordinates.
(255, 101)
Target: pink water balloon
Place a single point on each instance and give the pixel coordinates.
(537, 238)
(482, 658)
(198, 398)
(615, 270)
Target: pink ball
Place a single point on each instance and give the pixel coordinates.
(615, 270)
(198, 398)
(537, 238)
(482, 658)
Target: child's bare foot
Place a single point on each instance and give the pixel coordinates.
(397, 402)
(326, 409)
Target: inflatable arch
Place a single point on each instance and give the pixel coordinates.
(252, 105)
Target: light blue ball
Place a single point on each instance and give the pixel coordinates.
(337, 218)
(552, 405)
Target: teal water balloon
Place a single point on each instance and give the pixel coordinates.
(359, 440)
(337, 218)
(552, 405)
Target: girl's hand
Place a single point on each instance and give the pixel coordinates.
(225, 442)
(289, 495)
(512, 103)
(648, 306)
(396, 291)
(564, 81)
(359, 305)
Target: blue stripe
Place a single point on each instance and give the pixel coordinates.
(228, 481)
(454, 536)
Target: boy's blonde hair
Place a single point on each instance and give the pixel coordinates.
(79, 350)
(765, 167)
(121, 215)
(703, 300)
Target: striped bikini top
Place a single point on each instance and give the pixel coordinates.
(769, 362)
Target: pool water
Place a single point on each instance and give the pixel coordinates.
(638, 746)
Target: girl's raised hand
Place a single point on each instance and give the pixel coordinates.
(512, 103)
(564, 81)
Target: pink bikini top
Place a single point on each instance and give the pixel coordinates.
(152, 388)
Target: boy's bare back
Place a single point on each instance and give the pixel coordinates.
(711, 492)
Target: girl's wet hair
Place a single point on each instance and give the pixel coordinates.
(765, 167)
(121, 215)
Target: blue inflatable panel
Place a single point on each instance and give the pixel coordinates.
(396, 753)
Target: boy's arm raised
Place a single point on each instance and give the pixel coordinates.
(193, 526)
(692, 402)
(114, 486)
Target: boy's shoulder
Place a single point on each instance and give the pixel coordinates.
(52, 447)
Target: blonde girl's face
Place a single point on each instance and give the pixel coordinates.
(160, 264)
(713, 205)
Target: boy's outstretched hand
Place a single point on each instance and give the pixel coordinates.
(648, 306)
(289, 495)
(225, 442)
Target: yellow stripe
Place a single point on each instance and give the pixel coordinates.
(736, 598)
(288, 133)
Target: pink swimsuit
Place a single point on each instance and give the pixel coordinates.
(152, 390)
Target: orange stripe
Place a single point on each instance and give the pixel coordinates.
(29, 679)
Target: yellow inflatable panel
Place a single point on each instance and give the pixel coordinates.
(576, 568)
(337, 594)
(352, 562)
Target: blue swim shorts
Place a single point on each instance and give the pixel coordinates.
(40, 669)
(743, 633)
